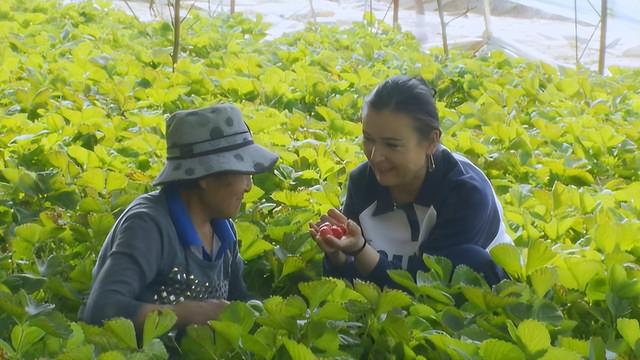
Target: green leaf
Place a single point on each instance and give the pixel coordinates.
(13, 305)
(84, 352)
(556, 353)
(579, 346)
(23, 337)
(390, 299)
(547, 312)
(251, 243)
(283, 314)
(455, 348)
(436, 294)
(298, 351)
(369, 291)
(567, 86)
(539, 254)
(464, 275)
(581, 271)
(156, 324)
(53, 323)
(494, 349)
(77, 336)
(66, 198)
(320, 334)
(111, 355)
(630, 331)
(116, 181)
(198, 343)
(543, 279)
(155, 350)
(508, 257)
(439, 265)
(422, 310)
(230, 331)
(123, 331)
(331, 311)
(453, 319)
(239, 313)
(291, 265)
(396, 327)
(28, 283)
(93, 178)
(404, 279)
(534, 336)
(255, 345)
(317, 291)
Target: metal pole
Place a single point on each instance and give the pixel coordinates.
(603, 36)
(575, 25)
(396, 9)
(487, 20)
(443, 26)
(176, 33)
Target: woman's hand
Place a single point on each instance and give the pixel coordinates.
(199, 312)
(366, 257)
(351, 242)
(188, 312)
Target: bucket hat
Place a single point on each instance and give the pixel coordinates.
(211, 140)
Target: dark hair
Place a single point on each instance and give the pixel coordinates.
(408, 95)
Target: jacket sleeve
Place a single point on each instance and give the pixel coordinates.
(131, 264)
(468, 216)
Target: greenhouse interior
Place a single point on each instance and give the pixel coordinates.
(320, 179)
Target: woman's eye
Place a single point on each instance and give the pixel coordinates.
(393, 146)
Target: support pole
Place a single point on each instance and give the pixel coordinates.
(603, 36)
(396, 9)
(443, 26)
(575, 28)
(176, 33)
(487, 21)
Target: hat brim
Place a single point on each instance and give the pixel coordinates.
(251, 159)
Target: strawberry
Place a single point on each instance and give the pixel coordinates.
(325, 231)
(338, 231)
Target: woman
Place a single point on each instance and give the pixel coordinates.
(177, 247)
(412, 196)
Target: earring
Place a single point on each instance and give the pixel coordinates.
(431, 163)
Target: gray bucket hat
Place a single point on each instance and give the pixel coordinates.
(211, 140)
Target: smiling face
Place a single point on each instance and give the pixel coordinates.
(396, 152)
(222, 194)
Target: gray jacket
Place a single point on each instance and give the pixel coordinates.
(143, 261)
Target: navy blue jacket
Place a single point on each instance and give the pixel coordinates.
(455, 206)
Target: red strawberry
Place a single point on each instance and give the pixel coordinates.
(338, 231)
(325, 231)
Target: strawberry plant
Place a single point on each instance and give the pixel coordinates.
(84, 90)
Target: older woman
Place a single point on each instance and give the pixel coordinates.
(177, 247)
